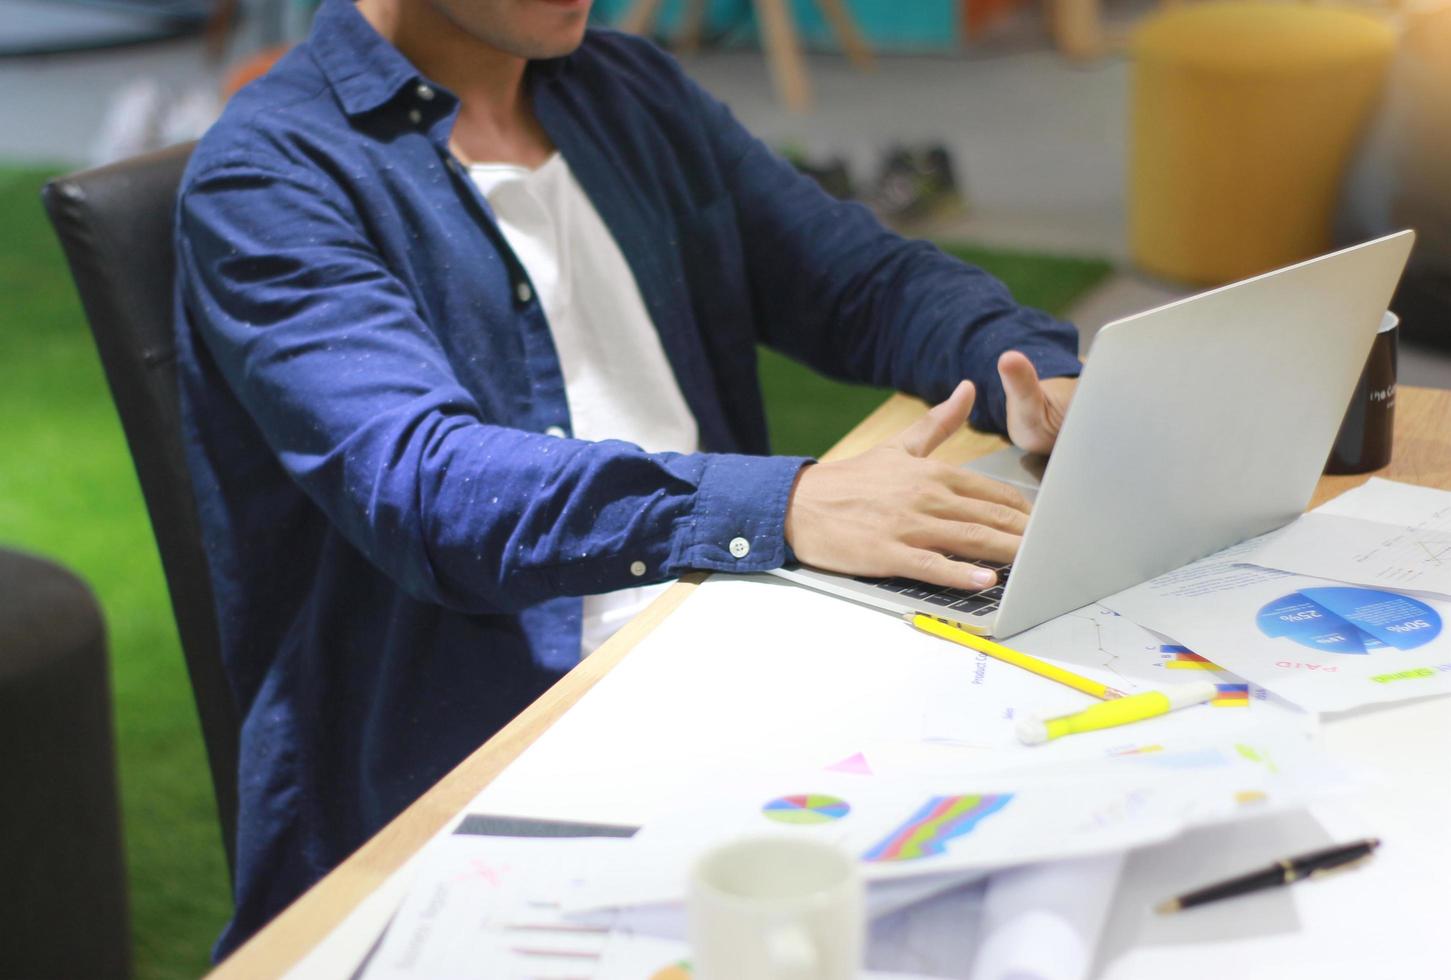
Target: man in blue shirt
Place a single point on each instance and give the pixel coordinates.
(399, 522)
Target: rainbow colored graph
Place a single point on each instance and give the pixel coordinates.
(941, 819)
(1182, 658)
(1231, 696)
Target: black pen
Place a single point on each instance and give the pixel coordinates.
(1316, 864)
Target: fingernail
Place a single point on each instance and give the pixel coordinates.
(983, 577)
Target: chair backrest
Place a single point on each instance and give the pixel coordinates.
(115, 225)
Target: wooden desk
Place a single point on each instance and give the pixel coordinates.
(1422, 456)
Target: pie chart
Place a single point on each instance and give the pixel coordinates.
(1338, 619)
(806, 808)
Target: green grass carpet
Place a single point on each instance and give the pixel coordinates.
(68, 491)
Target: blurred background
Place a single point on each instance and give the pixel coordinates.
(1101, 156)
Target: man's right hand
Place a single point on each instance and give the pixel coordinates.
(893, 512)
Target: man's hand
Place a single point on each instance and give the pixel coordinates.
(891, 511)
(1035, 408)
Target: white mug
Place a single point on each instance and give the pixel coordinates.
(771, 908)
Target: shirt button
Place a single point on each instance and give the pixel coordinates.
(424, 92)
(740, 547)
(554, 432)
(523, 291)
(637, 568)
(415, 117)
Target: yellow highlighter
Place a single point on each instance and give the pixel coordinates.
(1110, 714)
(937, 627)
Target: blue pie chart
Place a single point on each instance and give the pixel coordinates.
(1341, 619)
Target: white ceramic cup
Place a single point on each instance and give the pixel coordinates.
(770, 908)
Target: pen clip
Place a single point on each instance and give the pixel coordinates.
(1319, 873)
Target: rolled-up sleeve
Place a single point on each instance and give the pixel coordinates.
(355, 396)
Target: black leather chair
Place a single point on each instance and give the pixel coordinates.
(115, 225)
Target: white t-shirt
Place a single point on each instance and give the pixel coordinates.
(617, 380)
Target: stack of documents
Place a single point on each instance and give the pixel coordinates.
(482, 906)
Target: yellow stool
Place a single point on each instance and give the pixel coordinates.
(1244, 119)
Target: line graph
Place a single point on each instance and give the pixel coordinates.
(1436, 554)
(1405, 555)
(1380, 535)
(1094, 639)
(1099, 643)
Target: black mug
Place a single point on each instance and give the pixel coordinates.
(1364, 442)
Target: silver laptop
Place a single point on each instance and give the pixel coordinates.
(1195, 426)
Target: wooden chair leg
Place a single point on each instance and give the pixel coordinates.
(842, 24)
(693, 19)
(640, 17)
(1077, 28)
(783, 53)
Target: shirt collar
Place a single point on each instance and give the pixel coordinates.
(362, 67)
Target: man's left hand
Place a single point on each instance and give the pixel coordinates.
(1035, 408)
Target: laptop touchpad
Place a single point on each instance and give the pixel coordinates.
(1013, 466)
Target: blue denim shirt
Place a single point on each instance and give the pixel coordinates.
(397, 533)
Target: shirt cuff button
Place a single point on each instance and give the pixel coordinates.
(554, 432)
(637, 568)
(740, 547)
(524, 293)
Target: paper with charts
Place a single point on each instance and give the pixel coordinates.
(1098, 643)
(489, 907)
(482, 907)
(693, 706)
(912, 809)
(1321, 644)
(1381, 535)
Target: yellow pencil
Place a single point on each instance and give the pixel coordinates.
(937, 627)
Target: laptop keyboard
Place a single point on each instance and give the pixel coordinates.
(955, 603)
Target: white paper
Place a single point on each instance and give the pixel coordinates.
(629, 955)
(935, 938)
(1317, 643)
(489, 908)
(808, 681)
(930, 810)
(1042, 922)
(1382, 534)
